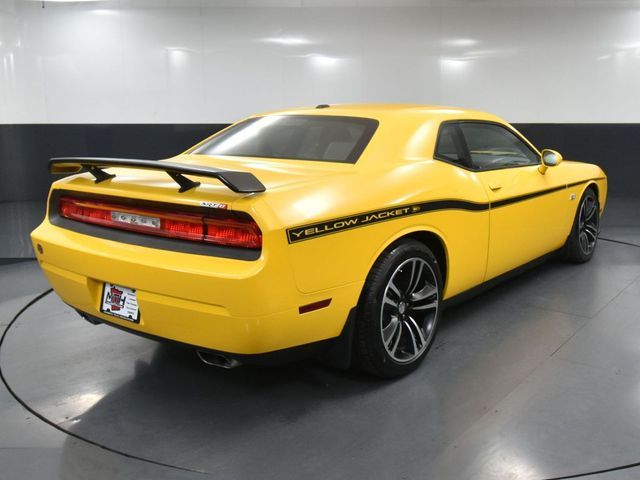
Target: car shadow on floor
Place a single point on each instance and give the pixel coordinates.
(183, 412)
(207, 411)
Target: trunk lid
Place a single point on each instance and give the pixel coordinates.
(276, 175)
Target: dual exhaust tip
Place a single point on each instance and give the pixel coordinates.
(217, 359)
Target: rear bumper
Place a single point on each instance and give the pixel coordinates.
(323, 348)
(220, 304)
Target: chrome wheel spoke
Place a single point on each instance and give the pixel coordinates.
(388, 301)
(418, 330)
(413, 338)
(389, 331)
(394, 289)
(427, 306)
(590, 211)
(416, 273)
(584, 242)
(395, 344)
(591, 231)
(427, 292)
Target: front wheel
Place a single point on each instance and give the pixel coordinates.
(586, 226)
(399, 310)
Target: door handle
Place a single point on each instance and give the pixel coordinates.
(495, 186)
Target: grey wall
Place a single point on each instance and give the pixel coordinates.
(615, 147)
(25, 149)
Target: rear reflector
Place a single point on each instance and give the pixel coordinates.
(314, 306)
(224, 229)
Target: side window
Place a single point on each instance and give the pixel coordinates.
(492, 146)
(450, 145)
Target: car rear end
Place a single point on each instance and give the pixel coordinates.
(208, 267)
(195, 249)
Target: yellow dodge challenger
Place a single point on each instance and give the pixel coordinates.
(338, 231)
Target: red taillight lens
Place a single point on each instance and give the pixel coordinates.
(233, 232)
(225, 230)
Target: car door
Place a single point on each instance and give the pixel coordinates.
(528, 209)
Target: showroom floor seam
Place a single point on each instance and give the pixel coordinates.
(594, 316)
(524, 379)
(493, 410)
(619, 241)
(531, 372)
(56, 425)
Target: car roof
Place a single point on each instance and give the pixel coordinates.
(382, 111)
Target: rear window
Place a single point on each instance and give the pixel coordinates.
(297, 137)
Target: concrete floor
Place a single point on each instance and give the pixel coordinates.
(535, 379)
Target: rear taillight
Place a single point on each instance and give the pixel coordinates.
(226, 228)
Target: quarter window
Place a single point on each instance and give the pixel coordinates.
(450, 146)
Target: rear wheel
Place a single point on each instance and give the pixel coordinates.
(586, 226)
(399, 310)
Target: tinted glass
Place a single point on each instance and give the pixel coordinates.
(297, 137)
(492, 146)
(448, 146)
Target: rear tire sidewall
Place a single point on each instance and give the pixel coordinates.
(372, 354)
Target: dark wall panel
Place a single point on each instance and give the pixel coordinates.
(615, 147)
(25, 149)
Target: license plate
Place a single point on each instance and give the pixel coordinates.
(120, 302)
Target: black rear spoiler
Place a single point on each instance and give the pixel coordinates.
(241, 182)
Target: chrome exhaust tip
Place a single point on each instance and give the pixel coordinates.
(217, 359)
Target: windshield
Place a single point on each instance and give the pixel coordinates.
(297, 137)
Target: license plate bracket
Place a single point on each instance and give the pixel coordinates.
(120, 302)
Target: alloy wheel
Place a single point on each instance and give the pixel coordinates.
(588, 224)
(409, 310)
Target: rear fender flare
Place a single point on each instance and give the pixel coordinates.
(405, 233)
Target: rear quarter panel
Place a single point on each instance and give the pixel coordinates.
(346, 256)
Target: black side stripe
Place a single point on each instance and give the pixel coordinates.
(313, 230)
(575, 184)
(328, 227)
(528, 196)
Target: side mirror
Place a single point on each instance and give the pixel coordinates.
(550, 158)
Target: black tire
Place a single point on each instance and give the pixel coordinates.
(402, 264)
(584, 233)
